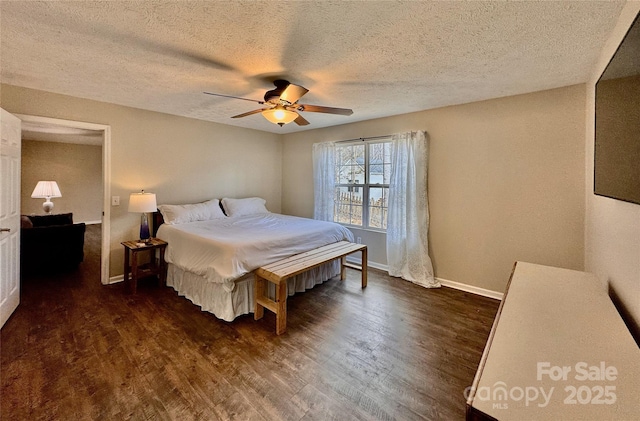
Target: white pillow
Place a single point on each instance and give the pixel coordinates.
(180, 214)
(248, 206)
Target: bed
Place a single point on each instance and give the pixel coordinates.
(211, 255)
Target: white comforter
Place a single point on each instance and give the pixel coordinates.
(224, 249)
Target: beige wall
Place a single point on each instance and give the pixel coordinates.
(506, 182)
(76, 168)
(182, 160)
(612, 228)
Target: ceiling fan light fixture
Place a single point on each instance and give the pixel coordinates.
(281, 105)
(279, 115)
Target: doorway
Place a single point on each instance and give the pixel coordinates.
(52, 130)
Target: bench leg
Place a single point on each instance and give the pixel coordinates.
(364, 268)
(259, 292)
(343, 268)
(281, 302)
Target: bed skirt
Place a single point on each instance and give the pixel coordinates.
(214, 297)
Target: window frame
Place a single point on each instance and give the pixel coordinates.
(366, 186)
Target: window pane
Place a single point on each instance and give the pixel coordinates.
(350, 164)
(348, 206)
(387, 162)
(378, 203)
(379, 163)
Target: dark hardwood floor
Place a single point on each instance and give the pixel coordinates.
(76, 349)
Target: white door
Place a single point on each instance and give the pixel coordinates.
(10, 143)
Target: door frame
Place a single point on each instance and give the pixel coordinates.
(106, 179)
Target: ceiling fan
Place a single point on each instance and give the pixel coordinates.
(282, 107)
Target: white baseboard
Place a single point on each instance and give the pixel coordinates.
(471, 288)
(358, 261)
(92, 222)
(444, 282)
(116, 279)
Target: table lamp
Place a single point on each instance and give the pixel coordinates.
(143, 202)
(46, 190)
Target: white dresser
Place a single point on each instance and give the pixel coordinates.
(558, 350)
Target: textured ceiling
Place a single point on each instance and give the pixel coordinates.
(378, 58)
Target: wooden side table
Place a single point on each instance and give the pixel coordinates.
(156, 266)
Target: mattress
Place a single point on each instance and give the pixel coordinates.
(224, 249)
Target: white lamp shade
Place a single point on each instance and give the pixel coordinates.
(279, 115)
(142, 202)
(46, 189)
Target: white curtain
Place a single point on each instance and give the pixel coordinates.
(324, 164)
(408, 217)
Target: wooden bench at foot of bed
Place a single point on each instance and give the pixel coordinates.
(278, 272)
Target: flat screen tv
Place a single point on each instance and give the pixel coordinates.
(617, 137)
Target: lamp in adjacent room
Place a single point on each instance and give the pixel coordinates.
(279, 115)
(143, 203)
(46, 190)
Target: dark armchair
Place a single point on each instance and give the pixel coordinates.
(50, 243)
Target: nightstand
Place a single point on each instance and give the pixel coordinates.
(156, 266)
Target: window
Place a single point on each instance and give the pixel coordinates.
(362, 184)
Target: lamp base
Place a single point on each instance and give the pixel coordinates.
(145, 237)
(47, 206)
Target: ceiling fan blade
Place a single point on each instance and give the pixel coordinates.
(249, 113)
(321, 109)
(234, 97)
(292, 93)
(301, 121)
